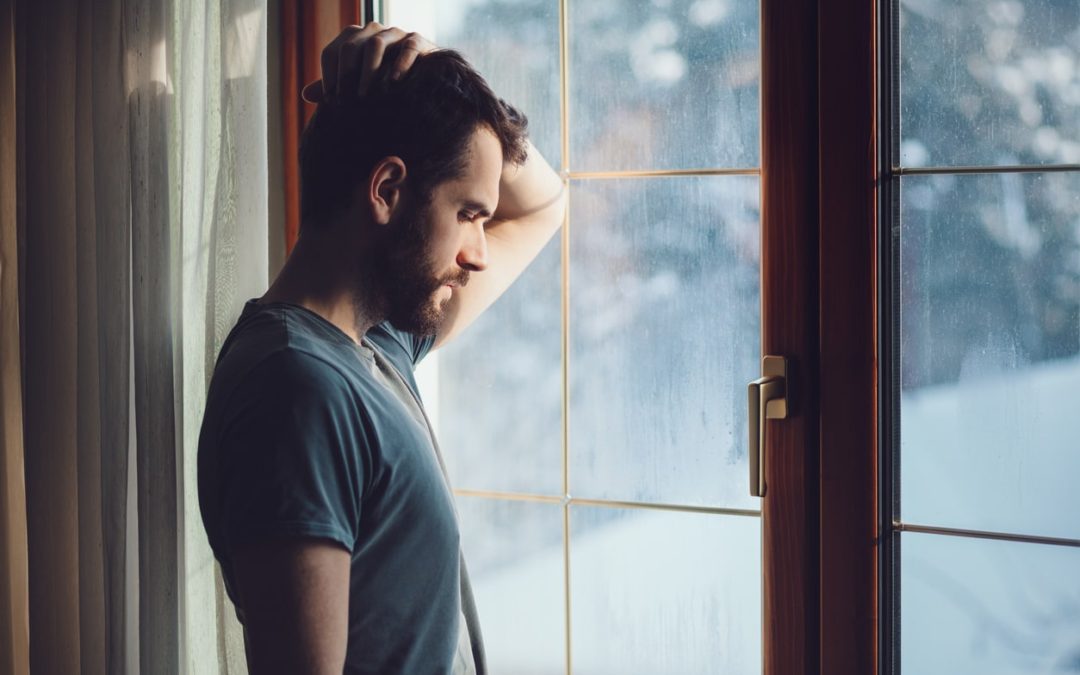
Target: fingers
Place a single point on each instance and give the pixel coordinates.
(340, 58)
(348, 67)
(353, 59)
(329, 59)
(375, 49)
(412, 46)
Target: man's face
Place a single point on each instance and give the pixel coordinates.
(434, 246)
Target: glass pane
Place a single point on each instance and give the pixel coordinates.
(664, 337)
(515, 559)
(663, 592)
(989, 82)
(514, 44)
(990, 352)
(974, 606)
(497, 404)
(496, 393)
(663, 85)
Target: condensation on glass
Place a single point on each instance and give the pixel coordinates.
(664, 326)
(499, 389)
(663, 85)
(990, 340)
(660, 592)
(989, 82)
(495, 393)
(515, 559)
(988, 336)
(978, 606)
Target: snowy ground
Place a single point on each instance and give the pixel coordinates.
(679, 594)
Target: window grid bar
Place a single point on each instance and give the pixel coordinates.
(510, 496)
(986, 534)
(888, 68)
(657, 506)
(662, 173)
(566, 585)
(567, 501)
(565, 340)
(564, 141)
(964, 170)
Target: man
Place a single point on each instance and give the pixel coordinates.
(320, 483)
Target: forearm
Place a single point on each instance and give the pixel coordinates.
(532, 191)
(532, 205)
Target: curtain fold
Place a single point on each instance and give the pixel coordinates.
(14, 599)
(152, 319)
(50, 313)
(141, 149)
(88, 404)
(112, 283)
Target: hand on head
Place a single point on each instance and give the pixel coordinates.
(352, 60)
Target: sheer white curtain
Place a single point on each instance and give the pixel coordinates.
(218, 155)
(142, 228)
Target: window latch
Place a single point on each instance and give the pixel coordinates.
(767, 401)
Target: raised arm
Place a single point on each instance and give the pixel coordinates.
(532, 198)
(532, 204)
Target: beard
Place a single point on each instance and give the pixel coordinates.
(407, 277)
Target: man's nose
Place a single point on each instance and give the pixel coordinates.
(473, 253)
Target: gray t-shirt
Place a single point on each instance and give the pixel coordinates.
(307, 434)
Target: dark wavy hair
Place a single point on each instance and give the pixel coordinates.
(426, 118)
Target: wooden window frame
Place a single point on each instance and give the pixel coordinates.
(819, 308)
(819, 168)
(850, 355)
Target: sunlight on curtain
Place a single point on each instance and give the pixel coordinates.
(142, 173)
(218, 161)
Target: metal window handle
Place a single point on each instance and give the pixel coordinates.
(767, 401)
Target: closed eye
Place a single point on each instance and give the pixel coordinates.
(472, 210)
(466, 217)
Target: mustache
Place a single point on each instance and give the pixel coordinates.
(459, 278)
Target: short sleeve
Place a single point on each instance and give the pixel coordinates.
(292, 454)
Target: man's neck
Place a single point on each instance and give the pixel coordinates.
(321, 276)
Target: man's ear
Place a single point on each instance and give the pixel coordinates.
(384, 188)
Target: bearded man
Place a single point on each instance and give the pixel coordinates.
(320, 481)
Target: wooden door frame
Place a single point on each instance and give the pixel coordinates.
(818, 164)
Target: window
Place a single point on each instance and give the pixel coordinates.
(983, 200)
(594, 419)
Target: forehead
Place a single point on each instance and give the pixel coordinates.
(479, 181)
